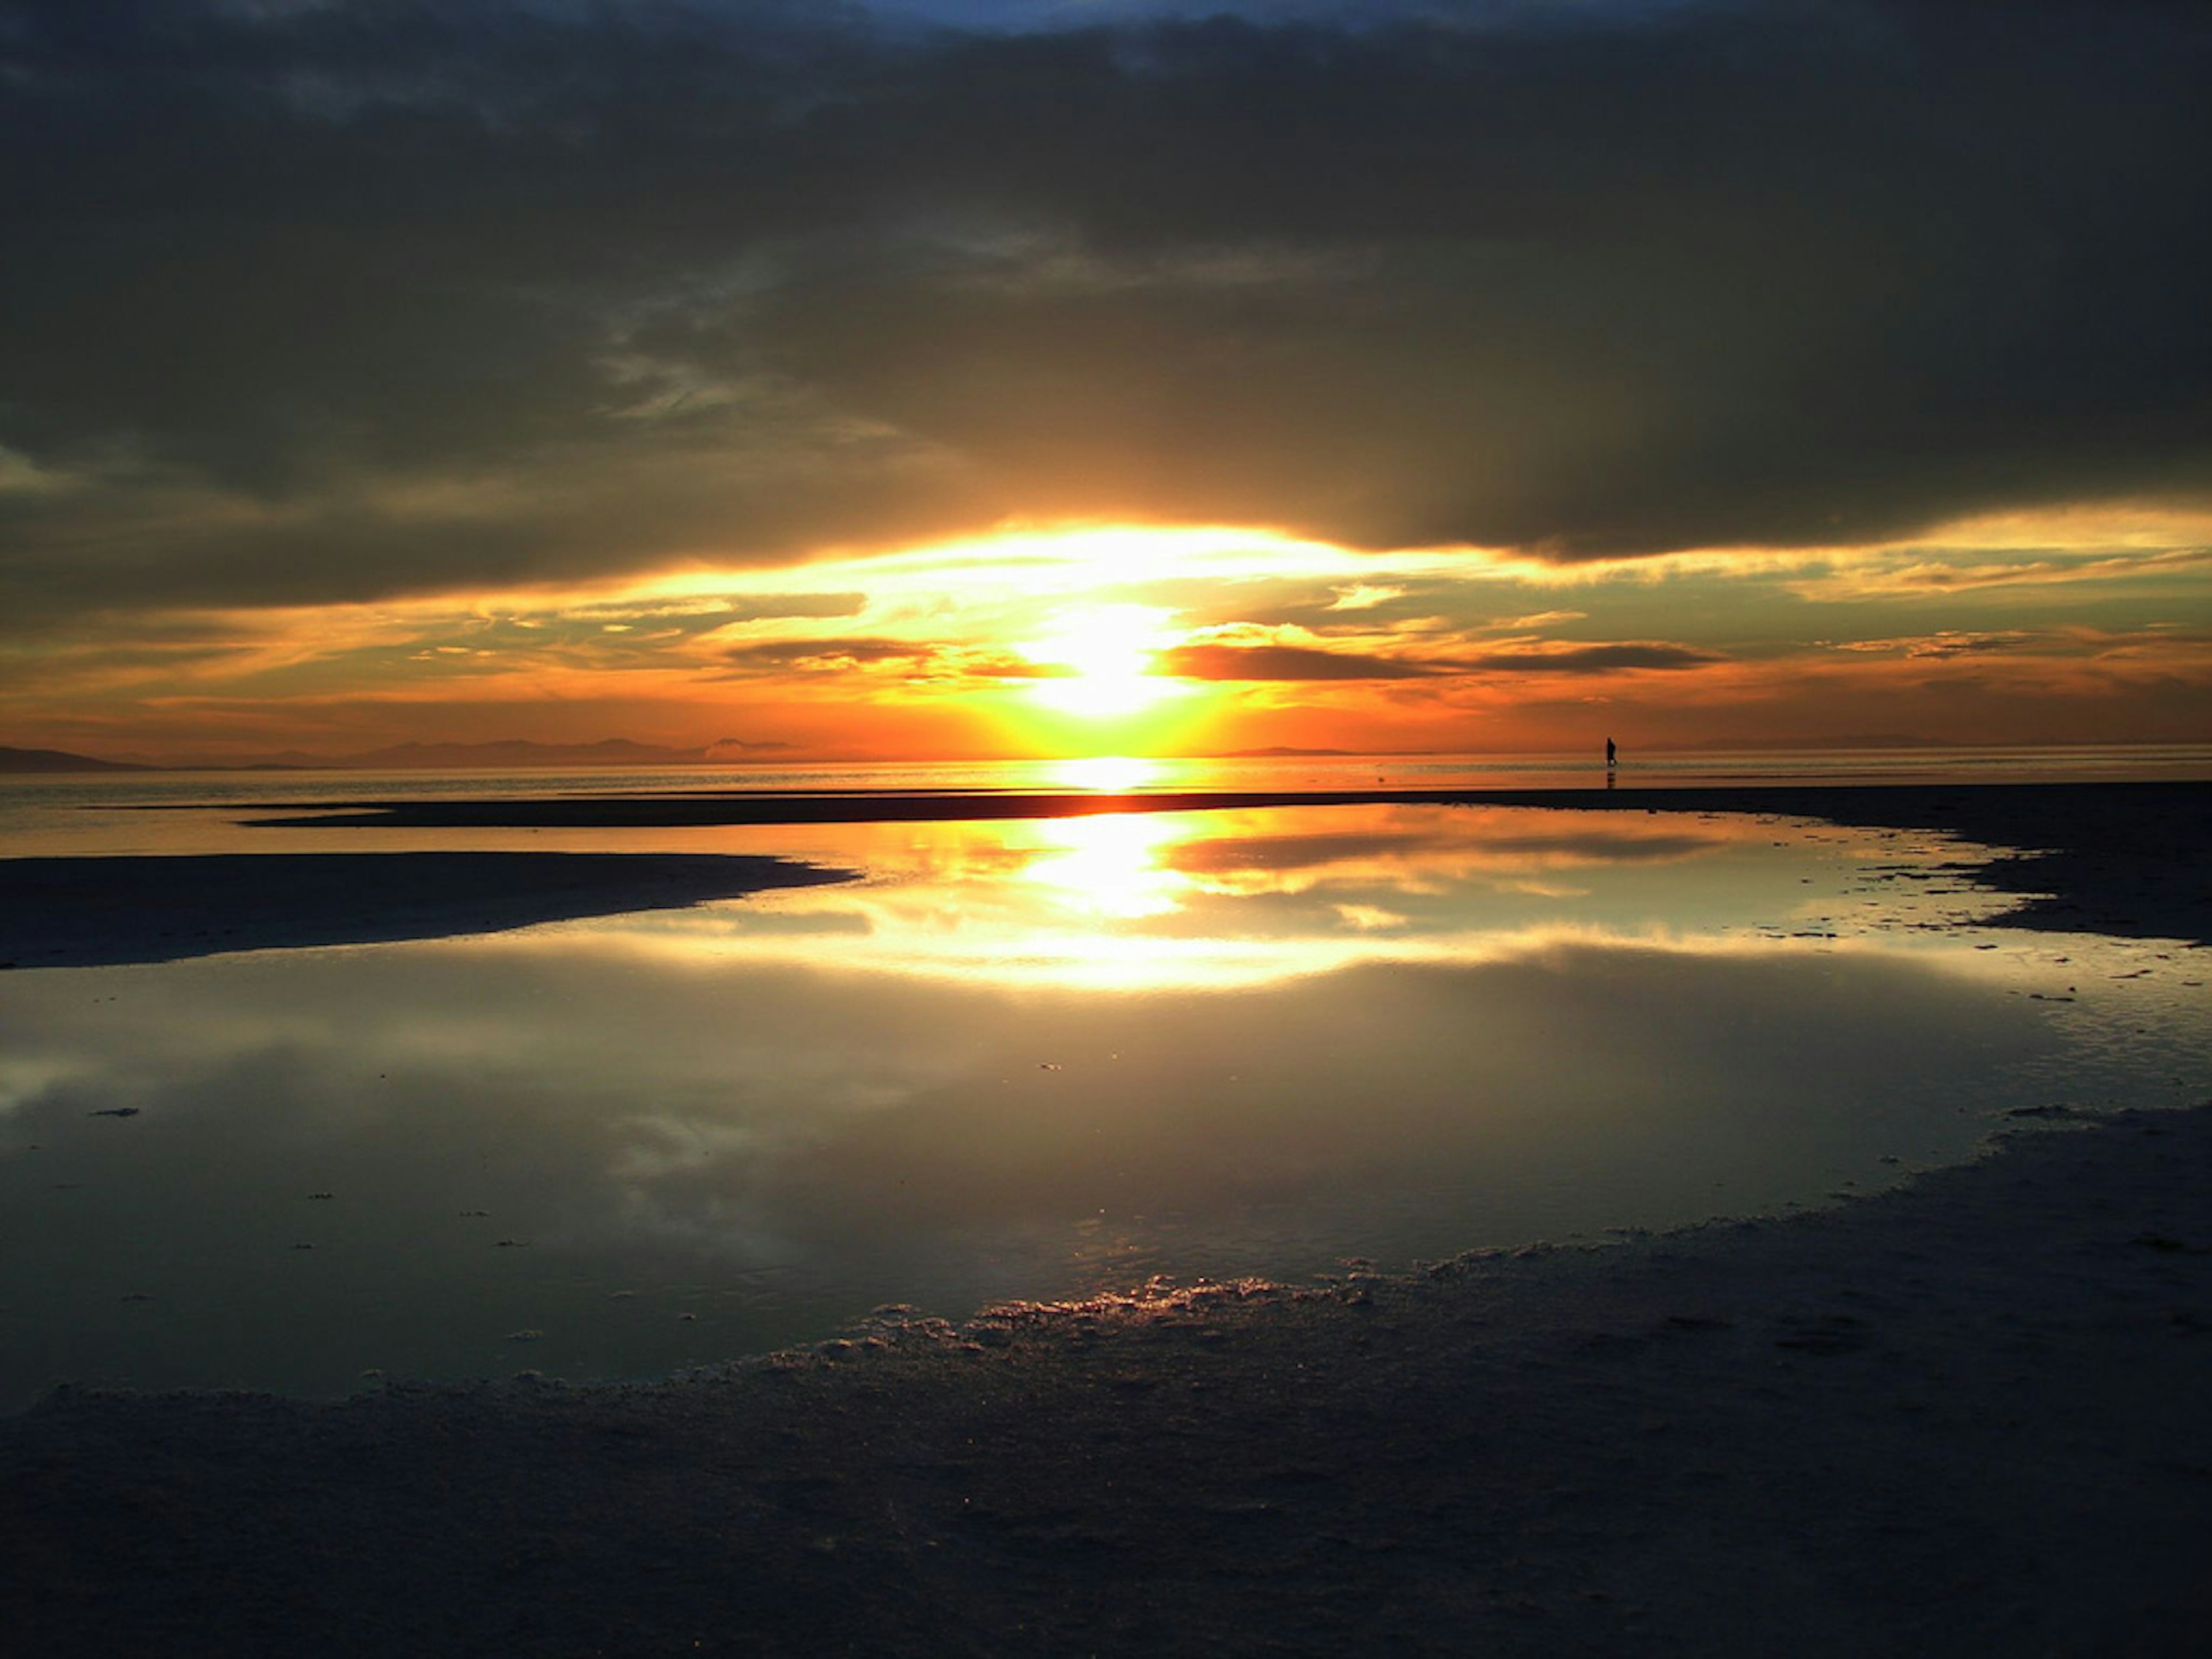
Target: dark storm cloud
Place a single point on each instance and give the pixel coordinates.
(925, 660)
(1286, 662)
(352, 299)
(1293, 662)
(1592, 660)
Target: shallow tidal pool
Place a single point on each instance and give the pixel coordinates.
(1030, 1059)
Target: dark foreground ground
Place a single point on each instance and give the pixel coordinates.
(1968, 1415)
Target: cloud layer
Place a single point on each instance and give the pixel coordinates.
(338, 301)
(378, 368)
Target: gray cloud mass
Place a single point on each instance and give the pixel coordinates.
(360, 299)
(1286, 662)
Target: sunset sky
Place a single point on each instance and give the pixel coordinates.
(955, 379)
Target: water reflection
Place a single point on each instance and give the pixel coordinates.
(1111, 774)
(1164, 901)
(1021, 1059)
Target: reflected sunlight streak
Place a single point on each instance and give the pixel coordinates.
(1105, 775)
(1112, 866)
(1139, 902)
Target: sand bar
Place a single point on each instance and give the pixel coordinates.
(2007, 806)
(79, 912)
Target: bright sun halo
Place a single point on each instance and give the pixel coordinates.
(1106, 653)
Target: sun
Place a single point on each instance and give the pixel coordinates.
(1100, 657)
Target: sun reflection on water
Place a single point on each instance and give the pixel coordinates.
(1106, 774)
(1111, 867)
(1232, 900)
(1033, 1058)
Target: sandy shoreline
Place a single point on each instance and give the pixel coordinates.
(1965, 1414)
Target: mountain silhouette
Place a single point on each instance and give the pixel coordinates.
(58, 760)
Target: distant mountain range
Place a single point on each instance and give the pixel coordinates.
(517, 752)
(58, 760)
(1844, 741)
(422, 757)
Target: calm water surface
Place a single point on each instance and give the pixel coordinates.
(1029, 1058)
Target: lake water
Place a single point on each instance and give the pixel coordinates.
(1026, 1059)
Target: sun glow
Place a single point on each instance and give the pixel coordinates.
(1104, 656)
(1105, 775)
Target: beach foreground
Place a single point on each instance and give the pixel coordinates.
(1968, 1412)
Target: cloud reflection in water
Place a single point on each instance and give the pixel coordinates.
(1021, 1059)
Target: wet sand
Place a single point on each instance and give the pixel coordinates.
(82, 912)
(1966, 1415)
